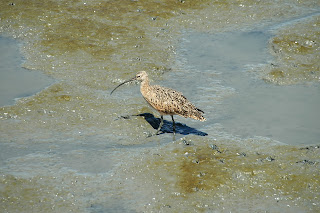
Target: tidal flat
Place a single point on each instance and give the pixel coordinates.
(252, 66)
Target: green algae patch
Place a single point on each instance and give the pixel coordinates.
(63, 35)
(41, 193)
(297, 52)
(33, 195)
(207, 174)
(277, 73)
(203, 169)
(59, 108)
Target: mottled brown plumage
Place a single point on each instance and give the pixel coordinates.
(165, 100)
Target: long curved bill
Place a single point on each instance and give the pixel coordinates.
(132, 79)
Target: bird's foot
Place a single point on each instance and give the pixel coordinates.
(149, 134)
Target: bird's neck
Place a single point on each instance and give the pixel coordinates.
(144, 84)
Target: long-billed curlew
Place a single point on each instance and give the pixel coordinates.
(165, 100)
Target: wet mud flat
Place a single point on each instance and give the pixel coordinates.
(73, 147)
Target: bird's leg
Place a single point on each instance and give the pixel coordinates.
(173, 125)
(160, 125)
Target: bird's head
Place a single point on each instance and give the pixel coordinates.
(140, 76)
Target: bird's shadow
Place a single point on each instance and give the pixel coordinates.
(167, 125)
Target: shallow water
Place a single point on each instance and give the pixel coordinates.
(16, 82)
(288, 114)
(73, 147)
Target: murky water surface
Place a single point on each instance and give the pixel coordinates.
(16, 82)
(252, 66)
(288, 114)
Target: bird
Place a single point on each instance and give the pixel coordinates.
(165, 100)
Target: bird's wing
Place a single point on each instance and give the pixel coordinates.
(169, 101)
